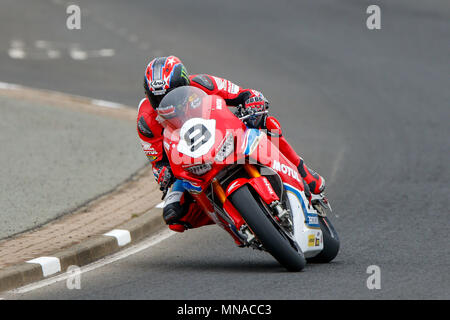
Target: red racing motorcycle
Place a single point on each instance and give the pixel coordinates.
(240, 179)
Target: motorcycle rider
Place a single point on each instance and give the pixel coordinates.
(162, 75)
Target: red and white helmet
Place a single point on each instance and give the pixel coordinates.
(162, 75)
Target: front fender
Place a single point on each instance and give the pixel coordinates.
(260, 184)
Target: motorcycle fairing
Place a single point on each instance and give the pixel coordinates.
(251, 140)
(307, 230)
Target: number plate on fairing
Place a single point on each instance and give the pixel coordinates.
(197, 137)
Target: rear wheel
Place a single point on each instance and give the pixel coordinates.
(266, 230)
(331, 242)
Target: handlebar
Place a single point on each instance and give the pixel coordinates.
(253, 114)
(245, 113)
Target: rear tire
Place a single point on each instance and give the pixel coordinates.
(331, 242)
(263, 227)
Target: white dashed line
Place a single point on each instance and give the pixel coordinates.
(43, 50)
(16, 50)
(9, 86)
(106, 104)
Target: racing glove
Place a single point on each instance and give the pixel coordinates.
(256, 103)
(164, 177)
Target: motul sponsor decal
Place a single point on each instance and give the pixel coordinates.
(277, 166)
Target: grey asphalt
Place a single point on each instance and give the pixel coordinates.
(369, 110)
(53, 160)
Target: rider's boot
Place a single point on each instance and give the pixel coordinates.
(315, 182)
(174, 211)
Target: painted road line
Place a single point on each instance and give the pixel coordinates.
(97, 102)
(9, 86)
(107, 104)
(49, 265)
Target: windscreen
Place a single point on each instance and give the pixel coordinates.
(180, 105)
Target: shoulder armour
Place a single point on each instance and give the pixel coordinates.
(144, 128)
(204, 80)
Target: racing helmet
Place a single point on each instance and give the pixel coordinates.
(162, 75)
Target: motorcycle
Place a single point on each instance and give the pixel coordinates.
(240, 179)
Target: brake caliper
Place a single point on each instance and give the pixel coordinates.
(282, 215)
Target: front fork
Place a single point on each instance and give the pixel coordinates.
(209, 209)
(280, 214)
(238, 224)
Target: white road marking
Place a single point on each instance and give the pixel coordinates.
(123, 237)
(104, 53)
(43, 50)
(77, 54)
(97, 102)
(106, 104)
(153, 240)
(16, 50)
(49, 265)
(9, 86)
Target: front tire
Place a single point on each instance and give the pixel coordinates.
(263, 227)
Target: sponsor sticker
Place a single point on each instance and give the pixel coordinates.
(277, 166)
(221, 84)
(311, 240)
(158, 84)
(232, 88)
(313, 220)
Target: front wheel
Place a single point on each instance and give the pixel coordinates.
(265, 229)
